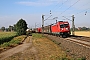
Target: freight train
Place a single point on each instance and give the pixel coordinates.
(61, 28)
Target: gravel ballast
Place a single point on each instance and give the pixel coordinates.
(71, 48)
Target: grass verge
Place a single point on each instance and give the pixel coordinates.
(14, 42)
(47, 49)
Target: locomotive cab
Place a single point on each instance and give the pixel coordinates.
(61, 28)
(65, 29)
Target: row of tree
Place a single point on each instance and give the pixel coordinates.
(82, 29)
(11, 28)
(20, 27)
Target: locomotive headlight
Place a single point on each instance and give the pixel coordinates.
(66, 28)
(62, 29)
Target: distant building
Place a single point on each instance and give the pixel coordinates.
(79, 28)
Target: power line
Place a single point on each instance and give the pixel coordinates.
(50, 13)
(85, 4)
(70, 6)
(62, 4)
(83, 11)
(59, 6)
(48, 17)
(56, 5)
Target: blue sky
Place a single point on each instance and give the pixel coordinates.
(31, 11)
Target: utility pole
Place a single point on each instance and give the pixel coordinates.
(42, 23)
(11, 28)
(35, 25)
(73, 26)
(56, 21)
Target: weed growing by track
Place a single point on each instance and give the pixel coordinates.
(36, 35)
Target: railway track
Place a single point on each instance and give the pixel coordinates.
(79, 42)
(83, 38)
(75, 46)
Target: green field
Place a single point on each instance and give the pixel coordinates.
(10, 40)
(6, 36)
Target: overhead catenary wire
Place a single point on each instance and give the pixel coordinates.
(73, 5)
(58, 7)
(61, 5)
(50, 12)
(48, 17)
(70, 7)
(85, 9)
(82, 11)
(85, 4)
(54, 7)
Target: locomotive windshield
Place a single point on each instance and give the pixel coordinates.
(64, 25)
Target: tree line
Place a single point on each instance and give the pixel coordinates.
(9, 29)
(81, 29)
(20, 27)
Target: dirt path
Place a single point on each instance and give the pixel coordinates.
(26, 44)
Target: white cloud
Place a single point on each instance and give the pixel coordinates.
(39, 2)
(35, 3)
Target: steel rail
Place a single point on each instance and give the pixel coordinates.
(80, 42)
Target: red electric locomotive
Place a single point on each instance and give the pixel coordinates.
(60, 28)
(39, 30)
